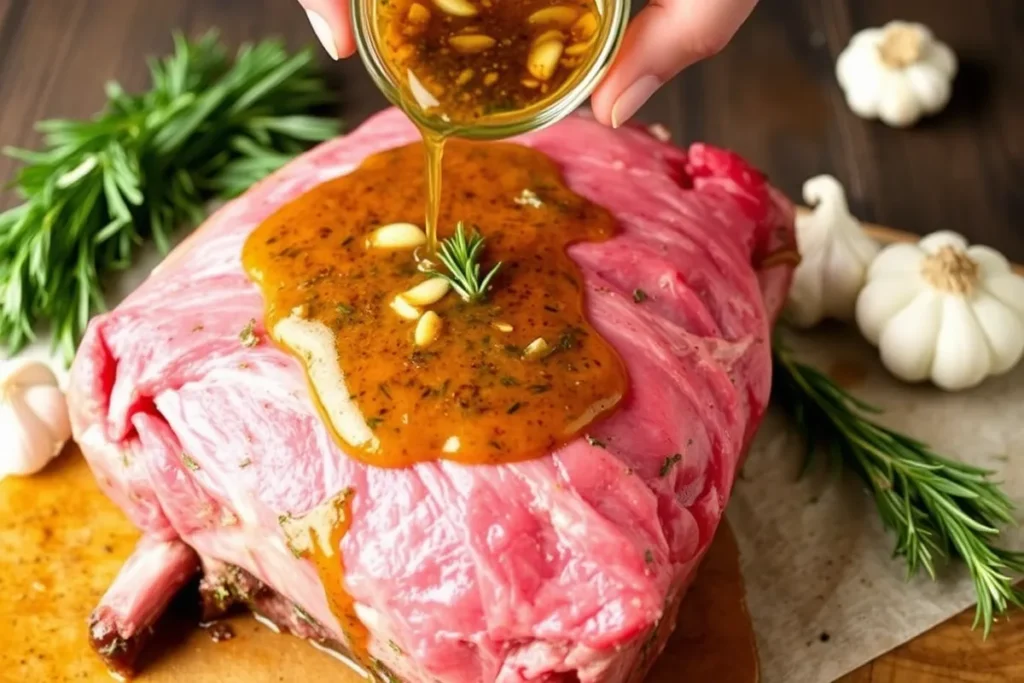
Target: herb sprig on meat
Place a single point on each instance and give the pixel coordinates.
(460, 254)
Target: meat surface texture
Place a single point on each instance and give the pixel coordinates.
(556, 569)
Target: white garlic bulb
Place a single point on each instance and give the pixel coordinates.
(897, 73)
(34, 424)
(834, 256)
(940, 310)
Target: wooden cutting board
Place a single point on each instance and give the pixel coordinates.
(62, 542)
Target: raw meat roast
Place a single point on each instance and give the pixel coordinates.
(565, 568)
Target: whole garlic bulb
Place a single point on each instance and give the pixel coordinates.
(943, 311)
(34, 424)
(834, 256)
(897, 73)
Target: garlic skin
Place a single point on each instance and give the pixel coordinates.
(943, 311)
(834, 256)
(34, 423)
(897, 73)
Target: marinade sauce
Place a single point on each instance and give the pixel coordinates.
(316, 537)
(507, 378)
(463, 61)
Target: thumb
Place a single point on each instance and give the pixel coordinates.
(665, 38)
(332, 24)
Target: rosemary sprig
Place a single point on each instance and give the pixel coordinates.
(210, 126)
(460, 254)
(938, 508)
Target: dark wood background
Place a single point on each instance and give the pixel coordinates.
(771, 96)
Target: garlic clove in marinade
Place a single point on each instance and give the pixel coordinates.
(834, 256)
(34, 424)
(897, 73)
(943, 311)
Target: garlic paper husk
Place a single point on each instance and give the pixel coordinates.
(34, 423)
(942, 311)
(897, 73)
(834, 256)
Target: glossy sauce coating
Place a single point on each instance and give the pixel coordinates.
(464, 60)
(471, 395)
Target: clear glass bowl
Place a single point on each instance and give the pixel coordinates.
(614, 17)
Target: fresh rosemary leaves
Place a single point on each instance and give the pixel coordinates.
(938, 508)
(460, 255)
(210, 126)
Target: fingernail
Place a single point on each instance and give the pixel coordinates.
(323, 31)
(632, 98)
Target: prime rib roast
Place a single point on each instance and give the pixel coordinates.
(565, 568)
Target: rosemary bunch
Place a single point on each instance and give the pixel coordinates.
(937, 507)
(210, 126)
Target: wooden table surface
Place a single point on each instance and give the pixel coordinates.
(771, 96)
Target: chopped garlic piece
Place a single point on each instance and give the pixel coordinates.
(471, 44)
(458, 8)
(559, 14)
(403, 308)
(418, 14)
(397, 236)
(543, 59)
(553, 34)
(538, 348)
(585, 27)
(424, 98)
(577, 49)
(529, 198)
(428, 329)
(427, 292)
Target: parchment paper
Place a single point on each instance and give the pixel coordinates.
(824, 592)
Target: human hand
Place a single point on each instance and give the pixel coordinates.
(665, 38)
(332, 24)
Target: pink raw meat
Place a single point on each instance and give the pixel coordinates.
(557, 569)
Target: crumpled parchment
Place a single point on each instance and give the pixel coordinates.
(824, 591)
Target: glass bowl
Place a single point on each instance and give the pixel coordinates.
(558, 105)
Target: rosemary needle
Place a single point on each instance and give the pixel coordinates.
(209, 126)
(938, 508)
